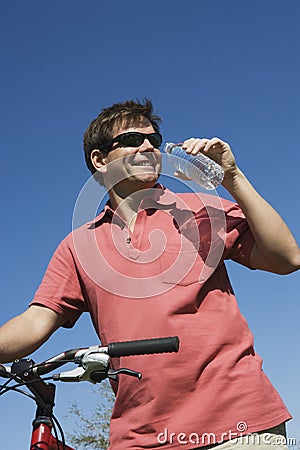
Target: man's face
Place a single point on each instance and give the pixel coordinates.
(133, 168)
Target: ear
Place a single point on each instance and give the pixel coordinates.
(99, 161)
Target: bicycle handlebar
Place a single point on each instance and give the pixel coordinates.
(93, 366)
(114, 349)
(144, 347)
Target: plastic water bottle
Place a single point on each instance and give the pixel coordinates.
(199, 168)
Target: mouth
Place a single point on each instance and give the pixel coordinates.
(145, 162)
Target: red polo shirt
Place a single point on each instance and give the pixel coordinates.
(167, 278)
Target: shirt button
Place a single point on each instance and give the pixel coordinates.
(128, 240)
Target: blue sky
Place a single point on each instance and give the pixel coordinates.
(212, 68)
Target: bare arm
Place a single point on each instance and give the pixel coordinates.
(275, 248)
(25, 333)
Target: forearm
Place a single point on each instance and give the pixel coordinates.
(275, 248)
(15, 342)
(23, 334)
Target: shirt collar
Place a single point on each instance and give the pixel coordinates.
(160, 198)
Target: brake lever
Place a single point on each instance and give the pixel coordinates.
(113, 374)
(90, 363)
(94, 368)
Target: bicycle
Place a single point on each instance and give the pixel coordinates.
(92, 366)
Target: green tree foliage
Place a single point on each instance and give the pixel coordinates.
(92, 429)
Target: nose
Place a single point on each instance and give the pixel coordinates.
(146, 146)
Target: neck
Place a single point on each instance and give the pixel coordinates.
(127, 206)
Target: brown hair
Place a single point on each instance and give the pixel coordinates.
(100, 131)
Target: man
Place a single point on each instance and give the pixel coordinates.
(151, 265)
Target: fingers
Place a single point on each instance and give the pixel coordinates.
(215, 144)
(194, 145)
(203, 145)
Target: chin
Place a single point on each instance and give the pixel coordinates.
(144, 177)
(149, 179)
(144, 182)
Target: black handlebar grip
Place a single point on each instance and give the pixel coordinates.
(144, 347)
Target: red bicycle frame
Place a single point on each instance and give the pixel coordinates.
(42, 426)
(42, 438)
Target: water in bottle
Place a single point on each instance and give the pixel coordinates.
(199, 168)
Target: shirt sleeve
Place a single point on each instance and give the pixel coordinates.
(239, 239)
(61, 289)
(224, 232)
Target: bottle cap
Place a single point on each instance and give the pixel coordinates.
(168, 147)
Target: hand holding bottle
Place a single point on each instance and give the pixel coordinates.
(218, 151)
(214, 148)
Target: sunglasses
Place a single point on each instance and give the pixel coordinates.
(135, 139)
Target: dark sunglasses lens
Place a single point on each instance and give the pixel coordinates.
(155, 140)
(136, 139)
(131, 139)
